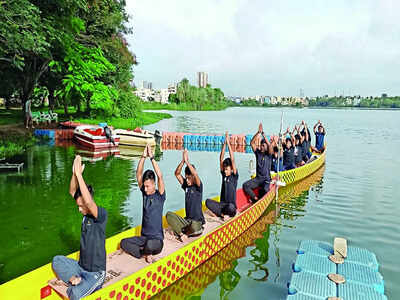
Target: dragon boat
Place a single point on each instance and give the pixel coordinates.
(131, 278)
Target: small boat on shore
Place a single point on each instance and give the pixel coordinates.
(95, 137)
(137, 137)
(131, 278)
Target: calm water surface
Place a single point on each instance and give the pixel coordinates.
(354, 196)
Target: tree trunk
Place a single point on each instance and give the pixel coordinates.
(51, 99)
(7, 102)
(32, 73)
(65, 108)
(88, 105)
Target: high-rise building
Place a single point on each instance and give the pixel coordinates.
(146, 85)
(202, 79)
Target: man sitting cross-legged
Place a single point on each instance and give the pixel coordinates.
(86, 276)
(263, 166)
(230, 176)
(150, 242)
(192, 224)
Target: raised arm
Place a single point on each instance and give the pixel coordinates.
(222, 155)
(139, 170)
(178, 171)
(86, 196)
(323, 128)
(192, 170)
(269, 144)
(160, 179)
(316, 125)
(253, 140)
(73, 185)
(306, 130)
(231, 153)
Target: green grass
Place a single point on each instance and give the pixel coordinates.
(11, 116)
(14, 144)
(144, 118)
(182, 106)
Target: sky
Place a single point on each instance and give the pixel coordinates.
(263, 47)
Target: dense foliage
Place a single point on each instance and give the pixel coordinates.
(198, 98)
(74, 49)
(371, 102)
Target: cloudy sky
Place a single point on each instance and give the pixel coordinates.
(263, 47)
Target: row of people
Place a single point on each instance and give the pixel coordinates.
(87, 275)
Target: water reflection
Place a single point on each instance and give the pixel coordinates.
(224, 265)
(43, 216)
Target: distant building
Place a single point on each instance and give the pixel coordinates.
(172, 88)
(202, 79)
(146, 85)
(164, 93)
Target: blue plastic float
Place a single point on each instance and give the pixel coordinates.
(310, 274)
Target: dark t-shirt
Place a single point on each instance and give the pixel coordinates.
(299, 157)
(288, 157)
(304, 148)
(228, 188)
(92, 255)
(319, 140)
(152, 215)
(193, 198)
(263, 168)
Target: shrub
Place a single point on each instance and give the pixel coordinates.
(129, 105)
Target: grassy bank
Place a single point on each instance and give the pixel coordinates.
(144, 118)
(15, 139)
(183, 106)
(13, 142)
(13, 117)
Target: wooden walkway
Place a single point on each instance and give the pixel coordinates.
(12, 166)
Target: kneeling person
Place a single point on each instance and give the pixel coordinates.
(87, 275)
(151, 240)
(230, 176)
(192, 224)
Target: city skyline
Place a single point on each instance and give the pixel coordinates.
(259, 47)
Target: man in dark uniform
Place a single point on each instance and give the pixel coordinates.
(230, 176)
(263, 166)
(86, 276)
(288, 151)
(192, 224)
(151, 240)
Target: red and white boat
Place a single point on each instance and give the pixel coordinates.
(94, 137)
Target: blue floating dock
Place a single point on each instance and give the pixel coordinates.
(44, 132)
(312, 267)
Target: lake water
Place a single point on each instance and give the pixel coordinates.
(354, 196)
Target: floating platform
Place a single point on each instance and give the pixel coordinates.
(205, 147)
(58, 134)
(17, 167)
(340, 272)
(206, 139)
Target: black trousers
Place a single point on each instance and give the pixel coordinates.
(139, 245)
(254, 183)
(219, 208)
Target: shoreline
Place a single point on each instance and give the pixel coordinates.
(15, 139)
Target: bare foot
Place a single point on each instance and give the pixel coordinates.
(170, 235)
(184, 238)
(210, 213)
(75, 280)
(149, 259)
